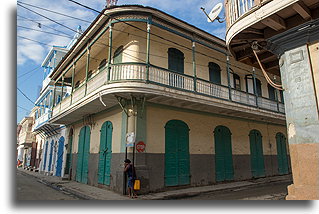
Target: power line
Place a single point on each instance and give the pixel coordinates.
(34, 41)
(29, 72)
(38, 23)
(47, 18)
(45, 32)
(25, 96)
(54, 12)
(23, 108)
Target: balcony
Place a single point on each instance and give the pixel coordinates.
(250, 21)
(162, 86)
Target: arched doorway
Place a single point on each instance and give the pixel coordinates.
(281, 153)
(223, 154)
(177, 170)
(60, 157)
(256, 154)
(82, 167)
(104, 171)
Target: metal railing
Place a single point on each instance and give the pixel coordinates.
(160, 76)
(170, 78)
(211, 89)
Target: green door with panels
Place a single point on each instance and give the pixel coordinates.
(176, 153)
(82, 167)
(104, 171)
(256, 154)
(223, 154)
(282, 154)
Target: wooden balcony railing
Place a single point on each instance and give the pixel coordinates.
(140, 72)
(235, 9)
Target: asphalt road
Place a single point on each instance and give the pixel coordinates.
(268, 191)
(30, 188)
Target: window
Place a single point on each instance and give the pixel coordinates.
(236, 81)
(258, 87)
(175, 60)
(282, 96)
(271, 92)
(102, 63)
(214, 73)
(117, 58)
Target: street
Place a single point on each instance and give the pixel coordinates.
(267, 191)
(30, 188)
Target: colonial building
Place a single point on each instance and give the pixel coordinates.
(196, 115)
(258, 34)
(26, 142)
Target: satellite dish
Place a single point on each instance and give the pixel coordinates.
(214, 13)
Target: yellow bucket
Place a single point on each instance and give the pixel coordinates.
(137, 185)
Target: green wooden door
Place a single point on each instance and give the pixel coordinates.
(176, 153)
(282, 154)
(83, 155)
(69, 156)
(104, 171)
(223, 154)
(256, 154)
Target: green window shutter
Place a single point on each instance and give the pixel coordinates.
(108, 155)
(80, 155)
(86, 154)
(223, 154)
(175, 60)
(229, 171)
(214, 73)
(177, 169)
(271, 92)
(258, 87)
(101, 169)
(171, 168)
(281, 154)
(256, 154)
(118, 55)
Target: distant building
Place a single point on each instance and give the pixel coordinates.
(198, 117)
(283, 36)
(25, 141)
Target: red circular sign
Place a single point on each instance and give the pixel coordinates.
(140, 146)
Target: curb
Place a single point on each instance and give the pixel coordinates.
(60, 188)
(194, 193)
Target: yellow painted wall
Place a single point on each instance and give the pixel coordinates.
(115, 117)
(201, 127)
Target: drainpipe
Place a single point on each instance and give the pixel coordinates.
(148, 49)
(194, 66)
(110, 53)
(87, 67)
(62, 91)
(73, 71)
(228, 77)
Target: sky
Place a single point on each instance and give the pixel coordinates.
(30, 54)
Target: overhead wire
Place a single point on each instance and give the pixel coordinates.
(29, 72)
(55, 12)
(25, 96)
(179, 45)
(44, 25)
(44, 32)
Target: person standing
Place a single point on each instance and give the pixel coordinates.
(131, 175)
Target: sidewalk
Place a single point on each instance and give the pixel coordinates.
(87, 192)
